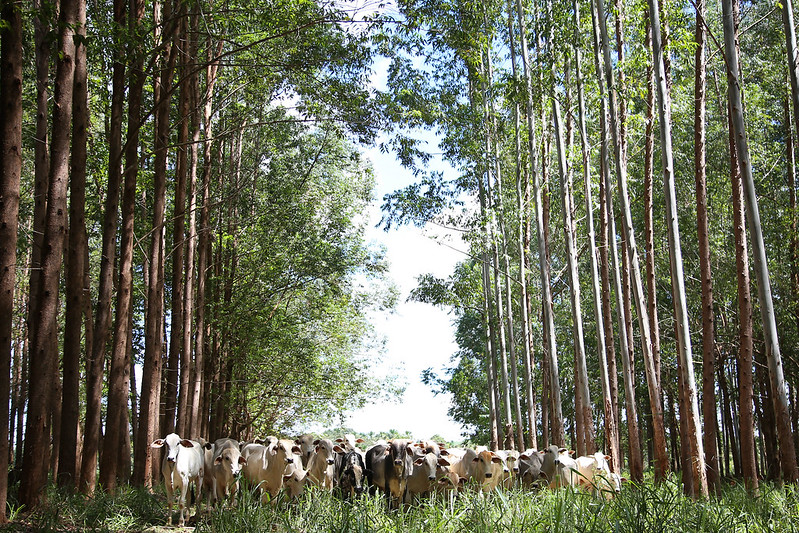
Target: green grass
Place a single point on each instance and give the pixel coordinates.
(644, 508)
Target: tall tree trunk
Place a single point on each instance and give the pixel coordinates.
(44, 345)
(611, 424)
(11, 60)
(782, 413)
(558, 434)
(649, 226)
(522, 211)
(204, 237)
(77, 292)
(661, 457)
(499, 259)
(585, 434)
(708, 334)
(606, 207)
(186, 362)
(102, 323)
(41, 168)
(178, 237)
(694, 428)
(154, 320)
(116, 435)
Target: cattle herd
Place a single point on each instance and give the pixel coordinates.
(399, 468)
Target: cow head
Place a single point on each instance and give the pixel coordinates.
(173, 443)
(230, 460)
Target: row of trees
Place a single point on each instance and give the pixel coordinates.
(182, 228)
(546, 141)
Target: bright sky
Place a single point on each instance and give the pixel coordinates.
(418, 336)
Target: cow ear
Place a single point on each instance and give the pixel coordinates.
(287, 477)
(359, 441)
(607, 458)
(476, 459)
(542, 452)
(496, 459)
(296, 449)
(563, 450)
(158, 443)
(339, 440)
(316, 442)
(218, 460)
(461, 481)
(443, 462)
(242, 460)
(572, 452)
(339, 449)
(258, 441)
(524, 456)
(208, 446)
(186, 443)
(419, 461)
(444, 451)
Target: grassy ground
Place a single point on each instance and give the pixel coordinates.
(639, 508)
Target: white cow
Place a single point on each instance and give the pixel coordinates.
(295, 483)
(424, 474)
(320, 466)
(593, 472)
(265, 466)
(182, 464)
(558, 467)
(227, 463)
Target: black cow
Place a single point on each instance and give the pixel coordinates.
(375, 469)
(350, 472)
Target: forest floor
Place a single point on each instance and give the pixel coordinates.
(639, 508)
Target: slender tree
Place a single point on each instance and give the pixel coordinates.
(43, 345)
(694, 429)
(76, 289)
(11, 61)
(117, 435)
(103, 316)
(767, 315)
(611, 424)
(708, 334)
(521, 186)
(569, 230)
(659, 444)
(558, 433)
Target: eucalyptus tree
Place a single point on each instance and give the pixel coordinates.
(585, 439)
(606, 209)
(659, 444)
(708, 333)
(522, 194)
(611, 423)
(557, 429)
(772, 346)
(694, 433)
